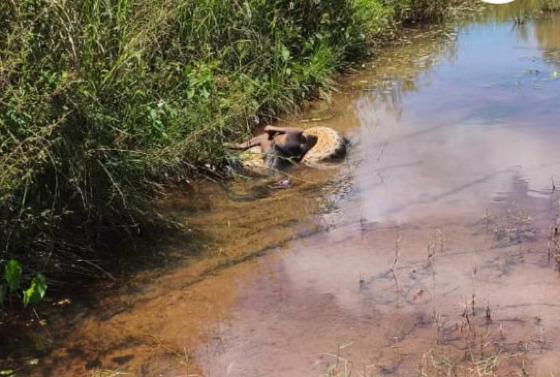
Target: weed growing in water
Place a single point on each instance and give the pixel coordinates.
(521, 18)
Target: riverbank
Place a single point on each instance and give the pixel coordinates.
(102, 103)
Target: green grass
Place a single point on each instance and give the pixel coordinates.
(101, 100)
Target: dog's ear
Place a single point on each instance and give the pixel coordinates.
(311, 140)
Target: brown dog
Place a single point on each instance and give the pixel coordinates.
(280, 144)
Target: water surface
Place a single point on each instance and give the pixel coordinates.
(440, 258)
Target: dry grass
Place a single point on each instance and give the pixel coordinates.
(437, 362)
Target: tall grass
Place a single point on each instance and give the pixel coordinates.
(100, 99)
(550, 5)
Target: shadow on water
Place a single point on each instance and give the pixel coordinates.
(430, 251)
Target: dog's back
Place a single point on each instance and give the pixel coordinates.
(330, 145)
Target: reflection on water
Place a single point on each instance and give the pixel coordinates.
(547, 34)
(436, 255)
(441, 259)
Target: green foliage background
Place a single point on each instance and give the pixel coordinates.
(102, 99)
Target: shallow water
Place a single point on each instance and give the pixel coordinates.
(430, 251)
(440, 259)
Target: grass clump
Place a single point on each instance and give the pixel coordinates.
(414, 11)
(100, 100)
(550, 5)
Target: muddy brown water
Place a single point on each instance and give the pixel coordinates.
(430, 251)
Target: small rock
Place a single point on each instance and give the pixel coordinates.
(283, 184)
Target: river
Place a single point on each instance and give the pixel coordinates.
(430, 251)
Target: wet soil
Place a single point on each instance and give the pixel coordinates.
(432, 250)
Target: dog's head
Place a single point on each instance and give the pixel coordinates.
(294, 144)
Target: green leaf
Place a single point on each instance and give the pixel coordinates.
(6, 372)
(205, 93)
(36, 292)
(285, 53)
(12, 274)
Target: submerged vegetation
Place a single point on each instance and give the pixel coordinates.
(100, 101)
